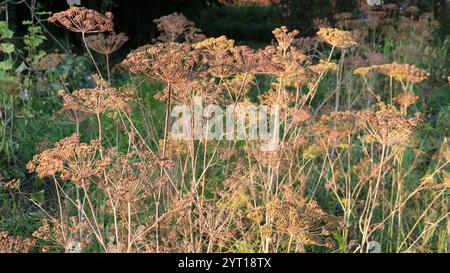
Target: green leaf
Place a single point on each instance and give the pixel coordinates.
(6, 65)
(7, 48)
(5, 32)
(22, 67)
(38, 197)
(340, 240)
(27, 23)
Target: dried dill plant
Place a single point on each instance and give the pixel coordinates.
(96, 101)
(15, 244)
(107, 45)
(387, 125)
(304, 222)
(72, 236)
(337, 38)
(405, 100)
(175, 25)
(403, 72)
(84, 21)
(173, 64)
(73, 161)
(49, 61)
(216, 196)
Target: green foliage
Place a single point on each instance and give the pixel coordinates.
(33, 39)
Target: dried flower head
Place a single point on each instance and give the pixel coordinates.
(403, 72)
(83, 20)
(97, 100)
(306, 43)
(168, 63)
(324, 67)
(49, 61)
(215, 44)
(74, 161)
(175, 147)
(336, 37)
(302, 219)
(172, 26)
(231, 61)
(343, 16)
(319, 23)
(286, 64)
(363, 71)
(127, 180)
(10, 185)
(11, 244)
(406, 99)
(334, 129)
(375, 58)
(387, 126)
(106, 44)
(284, 37)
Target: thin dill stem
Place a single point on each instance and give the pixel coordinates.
(83, 35)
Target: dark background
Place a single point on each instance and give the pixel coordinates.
(250, 24)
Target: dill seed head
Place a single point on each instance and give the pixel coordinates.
(403, 72)
(83, 20)
(406, 99)
(336, 37)
(106, 44)
(15, 244)
(172, 26)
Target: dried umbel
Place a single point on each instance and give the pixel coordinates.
(360, 24)
(106, 44)
(387, 126)
(343, 16)
(49, 61)
(83, 20)
(300, 116)
(324, 67)
(366, 170)
(406, 99)
(74, 161)
(363, 71)
(334, 129)
(214, 44)
(97, 100)
(127, 180)
(10, 185)
(319, 23)
(234, 60)
(239, 84)
(168, 63)
(172, 26)
(282, 64)
(284, 37)
(403, 72)
(304, 220)
(175, 147)
(282, 99)
(72, 236)
(12, 244)
(374, 58)
(337, 38)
